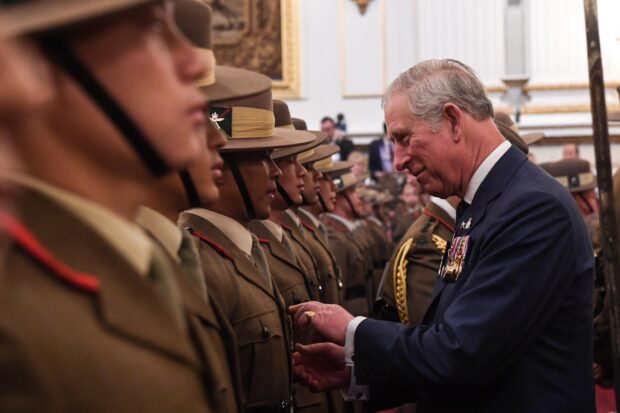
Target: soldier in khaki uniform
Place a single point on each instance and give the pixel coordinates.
(293, 279)
(348, 249)
(107, 329)
(234, 265)
(171, 196)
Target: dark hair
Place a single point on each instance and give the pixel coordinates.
(328, 119)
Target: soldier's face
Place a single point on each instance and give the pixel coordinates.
(259, 173)
(206, 172)
(327, 189)
(144, 62)
(429, 154)
(292, 181)
(25, 79)
(311, 185)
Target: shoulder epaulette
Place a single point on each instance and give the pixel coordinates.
(218, 248)
(29, 244)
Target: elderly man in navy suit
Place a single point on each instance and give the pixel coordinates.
(509, 327)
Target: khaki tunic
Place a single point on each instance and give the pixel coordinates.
(256, 312)
(328, 267)
(294, 288)
(350, 257)
(305, 257)
(82, 331)
(214, 332)
(421, 260)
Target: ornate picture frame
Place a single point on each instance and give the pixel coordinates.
(260, 35)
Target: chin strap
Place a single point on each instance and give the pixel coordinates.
(322, 202)
(60, 53)
(285, 195)
(356, 215)
(190, 189)
(243, 189)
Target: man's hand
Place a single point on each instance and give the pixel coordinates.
(321, 367)
(329, 321)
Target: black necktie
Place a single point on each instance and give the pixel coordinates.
(460, 210)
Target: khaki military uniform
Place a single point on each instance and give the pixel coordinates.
(318, 243)
(294, 288)
(250, 301)
(296, 232)
(412, 270)
(216, 334)
(83, 328)
(384, 249)
(350, 257)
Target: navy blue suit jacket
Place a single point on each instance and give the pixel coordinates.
(514, 332)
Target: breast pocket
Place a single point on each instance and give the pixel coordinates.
(264, 358)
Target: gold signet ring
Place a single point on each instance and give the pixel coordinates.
(310, 315)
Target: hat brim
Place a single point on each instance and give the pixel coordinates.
(282, 138)
(353, 184)
(532, 137)
(614, 116)
(282, 153)
(38, 16)
(235, 83)
(321, 152)
(512, 136)
(337, 167)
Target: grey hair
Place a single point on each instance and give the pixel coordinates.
(433, 83)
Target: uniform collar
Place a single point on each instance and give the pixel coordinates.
(350, 225)
(237, 233)
(162, 229)
(311, 217)
(125, 237)
(293, 216)
(483, 170)
(445, 206)
(274, 228)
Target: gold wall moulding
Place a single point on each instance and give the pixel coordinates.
(260, 35)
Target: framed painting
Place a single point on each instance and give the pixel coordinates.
(260, 35)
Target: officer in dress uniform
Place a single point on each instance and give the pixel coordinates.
(91, 319)
(234, 265)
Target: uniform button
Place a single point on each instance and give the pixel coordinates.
(265, 332)
(296, 300)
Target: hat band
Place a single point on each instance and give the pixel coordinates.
(576, 181)
(240, 122)
(324, 163)
(305, 154)
(209, 77)
(287, 126)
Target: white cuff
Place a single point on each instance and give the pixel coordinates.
(356, 392)
(349, 341)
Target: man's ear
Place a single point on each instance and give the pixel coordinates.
(454, 115)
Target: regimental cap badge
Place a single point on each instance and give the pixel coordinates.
(222, 119)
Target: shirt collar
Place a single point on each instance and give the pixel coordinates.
(445, 205)
(274, 228)
(237, 233)
(483, 170)
(293, 216)
(162, 229)
(124, 236)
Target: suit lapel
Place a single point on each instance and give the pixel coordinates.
(239, 259)
(128, 304)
